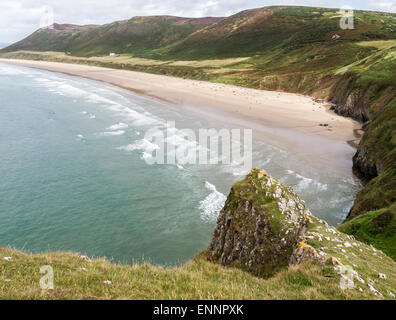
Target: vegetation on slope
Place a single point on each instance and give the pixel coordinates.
(260, 31)
(376, 227)
(137, 35)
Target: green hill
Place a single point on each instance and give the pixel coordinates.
(261, 31)
(137, 35)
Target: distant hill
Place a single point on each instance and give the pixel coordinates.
(3, 45)
(136, 35)
(247, 33)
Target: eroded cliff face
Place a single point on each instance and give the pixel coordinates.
(362, 162)
(374, 106)
(350, 101)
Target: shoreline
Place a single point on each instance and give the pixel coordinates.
(278, 110)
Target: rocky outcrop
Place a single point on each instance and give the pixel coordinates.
(354, 106)
(261, 226)
(365, 166)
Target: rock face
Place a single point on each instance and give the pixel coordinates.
(261, 226)
(355, 107)
(363, 164)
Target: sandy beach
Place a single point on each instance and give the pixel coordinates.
(274, 109)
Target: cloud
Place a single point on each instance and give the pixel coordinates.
(387, 5)
(20, 18)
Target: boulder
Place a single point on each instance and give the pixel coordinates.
(261, 227)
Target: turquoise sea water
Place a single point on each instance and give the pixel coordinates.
(73, 175)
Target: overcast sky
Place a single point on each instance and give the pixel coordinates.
(19, 18)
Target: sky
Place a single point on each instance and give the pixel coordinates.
(19, 18)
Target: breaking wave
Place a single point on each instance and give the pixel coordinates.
(112, 133)
(212, 204)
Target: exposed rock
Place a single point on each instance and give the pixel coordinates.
(364, 164)
(262, 226)
(349, 101)
(375, 291)
(354, 107)
(304, 253)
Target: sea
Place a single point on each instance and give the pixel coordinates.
(74, 174)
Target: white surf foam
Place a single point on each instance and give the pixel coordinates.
(142, 145)
(70, 88)
(146, 156)
(61, 87)
(141, 119)
(112, 133)
(308, 183)
(11, 71)
(96, 98)
(212, 204)
(118, 126)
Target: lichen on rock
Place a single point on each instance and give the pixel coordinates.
(261, 225)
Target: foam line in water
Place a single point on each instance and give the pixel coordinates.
(118, 126)
(143, 145)
(307, 183)
(74, 89)
(212, 204)
(112, 133)
(11, 71)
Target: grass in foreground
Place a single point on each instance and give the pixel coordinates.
(81, 278)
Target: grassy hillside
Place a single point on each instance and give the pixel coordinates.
(248, 33)
(376, 227)
(260, 31)
(137, 35)
(275, 48)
